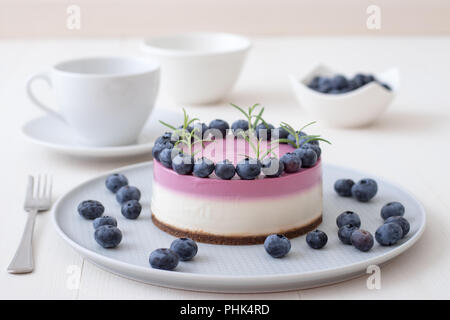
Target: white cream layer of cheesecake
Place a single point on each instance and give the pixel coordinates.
(236, 217)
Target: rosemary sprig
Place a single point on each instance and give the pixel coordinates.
(305, 138)
(251, 118)
(257, 147)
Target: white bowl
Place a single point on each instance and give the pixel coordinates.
(198, 68)
(356, 108)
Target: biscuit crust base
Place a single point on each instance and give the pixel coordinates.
(232, 240)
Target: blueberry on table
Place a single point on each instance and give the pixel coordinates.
(392, 209)
(239, 126)
(316, 239)
(345, 233)
(127, 193)
(203, 167)
(280, 133)
(115, 181)
(362, 240)
(307, 156)
(314, 146)
(164, 259)
(165, 157)
(225, 170)
(389, 234)
(108, 236)
(291, 161)
(220, 125)
(264, 131)
(183, 164)
(131, 209)
(157, 148)
(104, 221)
(248, 169)
(348, 217)
(364, 190)
(343, 187)
(402, 222)
(185, 248)
(90, 209)
(277, 245)
(272, 167)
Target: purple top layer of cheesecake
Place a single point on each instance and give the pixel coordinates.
(236, 188)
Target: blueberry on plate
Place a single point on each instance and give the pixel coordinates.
(307, 156)
(280, 133)
(239, 126)
(264, 131)
(157, 148)
(225, 170)
(316, 239)
(127, 193)
(164, 259)
(90, 209)
(104, 221)
(312, 145)
(364, 190)
(291, 161)
(272, 167)
(203, 167)
(348, 217)
(402, 222)
(183, 164)
(115, 181)
(108, 236)
(362, 240)
(185, 248)
(345, 233)
(165, 157)
(248, 169)
(392, 209)
(220, 125)
(277, 245)
(343, 187)
(131, 209)
(389, 234)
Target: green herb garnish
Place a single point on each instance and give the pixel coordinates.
(305, 138)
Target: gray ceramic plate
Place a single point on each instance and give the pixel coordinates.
(234, 268)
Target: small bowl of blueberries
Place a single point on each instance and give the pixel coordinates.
(345, 101)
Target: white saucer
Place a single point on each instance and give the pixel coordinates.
(56, 135)
(219, 268)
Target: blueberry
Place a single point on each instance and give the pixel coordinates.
(402, 222)
(343, 187)
(362, 240)
(280, 133)
(108, 236)
(166, 137)
(314, 83)
(339, 82)
(203, 167)
(225, 170)
(248, 169)
(388, 234)
(157, 148)
(220, 125)
(345, 233)
(164, 259)
(185, 248)
(299, 134)
(392, 209)
(277, 245)
(324, 85)
(348, 217)
(364, 190)
(131, 209)
(239, 126)
(183, 164)
(316, 239)
(272, 167)
(314, 146)
(264, 132)
(115, 181)
(369, 78)
(359, 80)
(165, 157)
(105, 221)
(200, 129)
(307, 156)
(291, 162)
(91, 209)
(188, 128)
(127, 193)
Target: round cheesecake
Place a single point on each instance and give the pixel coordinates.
(236, 211)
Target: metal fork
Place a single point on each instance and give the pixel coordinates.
(38, 198)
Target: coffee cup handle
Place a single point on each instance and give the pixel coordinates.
(45, 76)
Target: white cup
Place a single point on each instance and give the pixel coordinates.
(105, 100)
(198, 67)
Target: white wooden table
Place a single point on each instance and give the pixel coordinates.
(409, 145)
